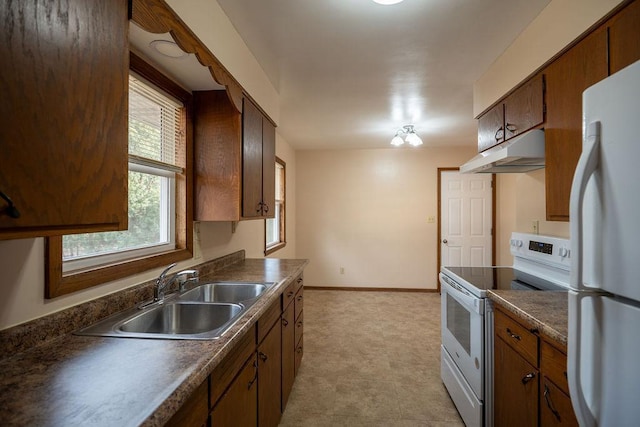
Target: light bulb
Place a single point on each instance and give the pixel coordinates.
(397, 141)
(387, 2)
(413, 139)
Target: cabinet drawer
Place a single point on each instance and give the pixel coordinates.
(299, 328)
(227, 369)
(288, 295)
(299, 281)
(553, 363)
(517, 336)
(299, 302)
(555, 406)
(267, 320)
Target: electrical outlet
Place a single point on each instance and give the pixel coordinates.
(341, 270)
(535, 226)
(431, 219)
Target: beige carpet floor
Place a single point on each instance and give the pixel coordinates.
(370, 359)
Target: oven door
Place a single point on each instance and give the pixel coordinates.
(463, 331)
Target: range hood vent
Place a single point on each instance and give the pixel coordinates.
(523, 153)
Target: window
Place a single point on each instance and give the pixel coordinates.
(154, 134)
(159, 186)
(275, 227)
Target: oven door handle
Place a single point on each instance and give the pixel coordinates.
(464, 297)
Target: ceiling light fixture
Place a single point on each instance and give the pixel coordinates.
(168, 48)
(409, 134)
(387, 2)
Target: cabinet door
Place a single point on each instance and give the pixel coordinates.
(269, 378)
(624, 38)
(555, 407)
(515, 388)
(238, 406)
(268, 168)
(63, 116)
(524, 108)
(566, 78)
(491, 128)
(251, 160)
(195, 411)
(288, 352)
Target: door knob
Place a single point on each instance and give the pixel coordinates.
(445, 241)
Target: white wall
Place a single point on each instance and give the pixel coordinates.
(561, 22)
(366, 211)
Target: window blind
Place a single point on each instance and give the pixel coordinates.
(154, 126)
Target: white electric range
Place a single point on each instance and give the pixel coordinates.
(541, 263)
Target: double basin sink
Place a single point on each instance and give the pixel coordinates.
(204, 312)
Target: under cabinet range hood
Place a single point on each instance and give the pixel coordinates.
(523, 153)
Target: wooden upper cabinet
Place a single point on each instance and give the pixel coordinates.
(566, 78)
(624, 37)
(251, 160)
(235, 159)
(63, 116)
(524, 108)
(218, 155)
(491, 128)
(258, 163)
(518, 112)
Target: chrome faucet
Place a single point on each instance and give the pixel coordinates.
(161, 284)
(182, 277)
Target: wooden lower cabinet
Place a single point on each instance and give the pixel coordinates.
(516, 385)
(530, 377)
(555, 406)
(194, 412)
(269, 378)
(238, 406)
(288, 352)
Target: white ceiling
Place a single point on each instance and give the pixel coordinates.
(351, 72)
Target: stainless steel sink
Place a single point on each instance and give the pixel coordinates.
(202, 313)
(225, 292)
(182, 319)
(170, 320)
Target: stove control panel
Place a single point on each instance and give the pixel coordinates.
(547, 249)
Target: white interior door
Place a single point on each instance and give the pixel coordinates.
(466, 219)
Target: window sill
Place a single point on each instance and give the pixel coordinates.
(58, 284)
(274, 248)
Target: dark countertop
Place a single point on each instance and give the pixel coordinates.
(545, 311)
(95, 381)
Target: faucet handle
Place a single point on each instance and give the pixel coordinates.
(160, 279)
(181, 278)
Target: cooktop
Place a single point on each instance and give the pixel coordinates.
(484, 278)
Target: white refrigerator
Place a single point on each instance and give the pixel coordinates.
(604, 300)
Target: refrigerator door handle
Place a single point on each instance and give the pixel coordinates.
(587, 165)
(580, 406)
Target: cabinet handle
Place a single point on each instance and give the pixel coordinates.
(10, 210)
(285, 322)
(528, 377)
(255, 375)
(299, 324)
(263, 356)
(512, 335)
(289, 294)
(547, 398)
(498, 138)
(299, 298)
(299, 350)
(299, 280)
(259, 208)
(265, 207)
(511, 127)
